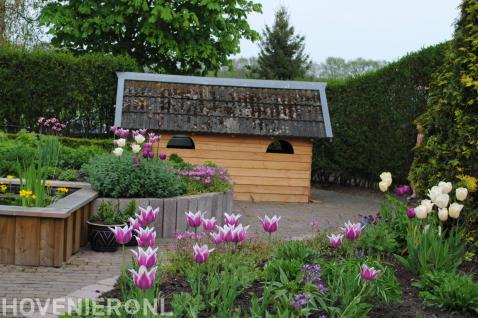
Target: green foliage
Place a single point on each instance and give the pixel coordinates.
(131, 209)
(337, 68)
(75, 158)
(185, 305)
(450, 122)
(290, 267)
(282, 51)
(432, 249)
(385, 103)
(168, 36)
(204, 178)
(40, 83)
(449, 290)
(393, 214)
(119, 177)
(108, 214)
(69, 175)
(88, 309)
(296, 250)
(378, 239)
(12, 152)
(344, 284)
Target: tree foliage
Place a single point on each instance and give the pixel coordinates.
(282, 51)
(337, 68)
(450, 147)
(372, 120)
(175, 36)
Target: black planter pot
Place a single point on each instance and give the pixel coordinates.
(101, 238)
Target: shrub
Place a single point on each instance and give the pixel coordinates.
(108, 214)
(205, 178)
(80, 89)
(68, 175)
(450, 290)
(430, 249)
(119, 177)
(13, 152)
(378, 239)
(75, 158)
(385, 103)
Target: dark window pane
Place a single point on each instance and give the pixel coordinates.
(280, 146)
(181, 142)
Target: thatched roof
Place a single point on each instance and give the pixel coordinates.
(222, 106)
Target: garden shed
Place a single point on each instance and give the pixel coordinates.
(261, 131)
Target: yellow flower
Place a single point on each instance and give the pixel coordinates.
(471, 183)
(3, 187)
(64, 190)
(48, 183)
(10, 177)
(34, 197)
(25, 193)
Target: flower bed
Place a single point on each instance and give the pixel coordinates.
(45, 236)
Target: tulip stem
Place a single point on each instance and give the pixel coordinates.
(356, 299)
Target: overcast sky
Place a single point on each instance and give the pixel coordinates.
(372, 29)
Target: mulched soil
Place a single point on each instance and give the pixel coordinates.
(412, 305)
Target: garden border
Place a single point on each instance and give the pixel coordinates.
(171, 218)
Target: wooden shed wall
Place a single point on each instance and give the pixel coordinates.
(257, 175)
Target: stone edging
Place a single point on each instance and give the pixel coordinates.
(171, 210)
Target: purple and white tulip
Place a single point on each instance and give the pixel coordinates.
(146, 257)
(216, 238)
(146, 237)
(352, 231)
(144, 278)
(335, 240)
(209, 224)
(149, 214)
(194, 219)
(122, 234)
(238, 233)
(368, 273)
(201, 253)
(270, 225)
(231, 219)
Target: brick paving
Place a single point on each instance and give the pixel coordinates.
(89, 273)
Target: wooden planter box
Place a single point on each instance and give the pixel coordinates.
(171, 217)
(46, 236)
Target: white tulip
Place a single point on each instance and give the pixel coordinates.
(461, 194)
(442, 200)
(443, 214)
(136, 148)
(383, 186)
(445, 187)
(139, 138)
(118, 152)
(385, 175)
(421, 212)
(434, 192)
(428, 204)
(120, 142)
(455, 209)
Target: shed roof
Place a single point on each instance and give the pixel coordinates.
(222, 105)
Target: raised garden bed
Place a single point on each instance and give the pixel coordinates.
(172, 210)
(46, 236)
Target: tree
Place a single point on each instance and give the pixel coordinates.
(175, 36)
(239, 68)
(19, 23)
(337, 68)
(282, 51)
(450, 123)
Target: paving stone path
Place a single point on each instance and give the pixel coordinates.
(89, 273)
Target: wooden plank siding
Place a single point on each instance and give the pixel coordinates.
(257, 175)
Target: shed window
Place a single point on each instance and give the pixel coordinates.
(181, 142)
(280, 146)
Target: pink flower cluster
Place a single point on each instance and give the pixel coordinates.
(146, 256)
(206, 174)
(402, 190)
(51, 123)
(120, 132)
(351, 231)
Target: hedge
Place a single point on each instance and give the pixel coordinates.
(372, 120)
(80, 90)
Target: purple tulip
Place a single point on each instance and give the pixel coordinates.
(163, 156)
(134, 223)
(146, 258)
(209, 224)
(194, 219)
(122, 234)
(146, 237)
(335, 240)
(141, 220)
(402, 190)
(270, 225)
(352, 231)
(142, 131)
(144, 279)
(225, 232)
(149, 214)
(216, 238)
(201, 253)
(231, 219)
(368, 273)
(113, 129)
(411, 212)
(239, 233)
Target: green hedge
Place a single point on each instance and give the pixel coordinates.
(51, 83)
(372, 120)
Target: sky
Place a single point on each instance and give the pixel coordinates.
(371, 29)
